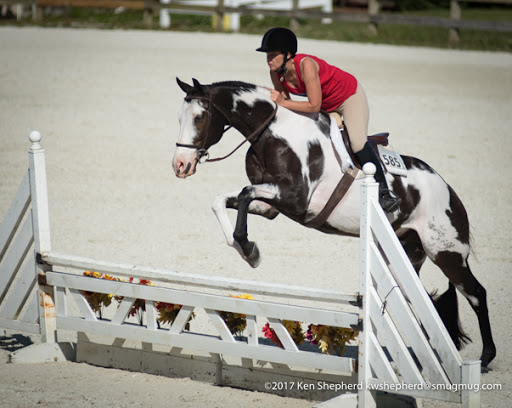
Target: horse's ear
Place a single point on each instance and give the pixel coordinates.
(196, 83)
(185, 87)
(198, 87)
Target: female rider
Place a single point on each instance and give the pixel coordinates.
(327, 88)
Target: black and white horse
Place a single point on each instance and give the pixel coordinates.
(293, 169)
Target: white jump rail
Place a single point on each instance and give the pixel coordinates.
(202, 6)
(403, 346)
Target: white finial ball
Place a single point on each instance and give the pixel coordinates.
(369, 169)
(35, 137)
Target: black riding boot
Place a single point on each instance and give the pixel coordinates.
(387, 199)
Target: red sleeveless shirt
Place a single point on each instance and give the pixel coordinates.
(337, 85)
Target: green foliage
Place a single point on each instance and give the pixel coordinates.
(403, 5)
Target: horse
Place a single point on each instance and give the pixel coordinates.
(293, 169)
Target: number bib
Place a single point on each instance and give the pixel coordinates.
(393, 161)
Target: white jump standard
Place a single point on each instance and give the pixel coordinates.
(404, 348)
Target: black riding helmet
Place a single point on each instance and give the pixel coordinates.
(279, 39)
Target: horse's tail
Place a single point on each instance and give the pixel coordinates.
(448, 308)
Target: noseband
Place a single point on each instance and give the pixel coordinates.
(202, 151)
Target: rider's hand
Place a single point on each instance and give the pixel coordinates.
(277, 97)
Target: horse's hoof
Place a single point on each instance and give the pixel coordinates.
(253, 258)
(485, 370)
(486, 358)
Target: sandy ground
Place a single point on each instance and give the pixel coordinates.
(106, 103)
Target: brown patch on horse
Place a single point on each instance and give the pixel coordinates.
(458, 217)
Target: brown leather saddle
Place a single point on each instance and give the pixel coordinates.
(375, 140)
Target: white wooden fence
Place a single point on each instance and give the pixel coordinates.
(403, 345)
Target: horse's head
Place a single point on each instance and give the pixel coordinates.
(201, 126)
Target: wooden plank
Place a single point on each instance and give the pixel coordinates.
(110, 4)
(220, 325)
(61, 305)
(379, 361)
(123, 310)
(14, 215)
(31, 313)
(417, 295)
(15, 256)
(471, 375)
(391, 339)
(377, 19)
(210, 344)
(181, 319)
(151, 315)
(20, 290)
(20, 326)
(197, 280)
(203, 300)
(84, 307)
(283, 334)
(402, 315)
(252, 330)
(487, 1)
(39, 197)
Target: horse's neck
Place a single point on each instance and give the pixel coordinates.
(251, 120)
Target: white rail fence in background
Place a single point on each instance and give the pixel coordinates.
(403, 347)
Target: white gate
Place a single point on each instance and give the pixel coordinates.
(404, 347)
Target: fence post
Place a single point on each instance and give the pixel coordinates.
(219, 16)
(374, 7)
(41, 229)
(294, 22)
(470, 376)
(454, 15)
(369, 192)
(147, 17)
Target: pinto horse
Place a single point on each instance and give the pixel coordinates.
(293, 169)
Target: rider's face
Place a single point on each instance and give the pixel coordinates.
(274, 60)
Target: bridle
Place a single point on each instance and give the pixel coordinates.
(202, 151)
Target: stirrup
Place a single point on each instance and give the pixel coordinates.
(388, 200)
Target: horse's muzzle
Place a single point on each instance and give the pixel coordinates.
(184, 166)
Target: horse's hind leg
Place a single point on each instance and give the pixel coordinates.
(412, 245)
(456, 268)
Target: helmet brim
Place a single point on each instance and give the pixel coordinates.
(264, 49)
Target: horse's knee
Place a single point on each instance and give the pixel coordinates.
(246, 195)
(219, 204)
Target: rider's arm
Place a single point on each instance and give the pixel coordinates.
(311, 78)
(278, 86)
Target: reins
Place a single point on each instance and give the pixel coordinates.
(201, 151)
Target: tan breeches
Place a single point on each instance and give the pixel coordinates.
(356, 115)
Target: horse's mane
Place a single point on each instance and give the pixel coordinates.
(240, 86)
(234, 84)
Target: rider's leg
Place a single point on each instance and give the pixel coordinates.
(356, 116)
(388, 200)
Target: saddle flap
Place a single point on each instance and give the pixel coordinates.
(380, 138)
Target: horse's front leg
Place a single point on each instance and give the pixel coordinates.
(254, 206)
(250, 250)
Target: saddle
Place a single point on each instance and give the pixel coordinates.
(375, 140)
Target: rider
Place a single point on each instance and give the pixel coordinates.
(328, 88)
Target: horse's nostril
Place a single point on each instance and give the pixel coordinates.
(187, 169)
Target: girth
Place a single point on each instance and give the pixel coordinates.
(347, 179)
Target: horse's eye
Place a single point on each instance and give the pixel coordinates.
(198, 119)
